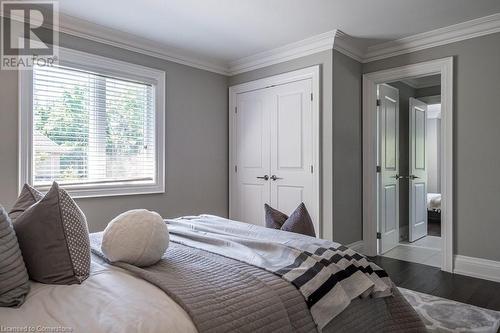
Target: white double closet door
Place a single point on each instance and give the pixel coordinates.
(273, 159)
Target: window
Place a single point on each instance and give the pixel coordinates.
(94, 125)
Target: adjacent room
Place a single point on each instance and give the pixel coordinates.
(219, 166)
(409, 127)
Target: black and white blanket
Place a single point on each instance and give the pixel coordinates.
(327, 274)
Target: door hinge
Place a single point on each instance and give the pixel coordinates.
(311, 96)
(235, 168)
(378, 102)
(379, 235)
(379, 169)
(312, 169)
(235, 109)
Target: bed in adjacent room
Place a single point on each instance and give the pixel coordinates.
(219, 275)
(434, 208)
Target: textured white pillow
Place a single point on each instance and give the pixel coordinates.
(138, 237)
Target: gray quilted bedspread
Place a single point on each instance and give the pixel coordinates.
(225, 295)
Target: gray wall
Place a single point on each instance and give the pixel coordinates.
(196, 141)
(428, 91)
(476, 136)
(341, 139)
(405, 92)
(325, 60)
(347, 152)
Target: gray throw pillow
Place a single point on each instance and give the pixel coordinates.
(299, 221)
(28, 197)
(14, 282)
(54, 239)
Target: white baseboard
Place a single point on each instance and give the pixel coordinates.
(477, 267)
(356, 246)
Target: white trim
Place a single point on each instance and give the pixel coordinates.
(105, 66)
(312, 73)
(370, 81)
(101, 34)
(98, 33)
(357, 246)
(450, 34)
(334, 39)
(346, 44)
(477, 267)
(284, 53)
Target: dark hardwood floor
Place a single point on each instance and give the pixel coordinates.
(433, 281)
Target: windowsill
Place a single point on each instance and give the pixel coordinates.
(108, 190)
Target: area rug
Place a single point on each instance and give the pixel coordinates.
(444, 315)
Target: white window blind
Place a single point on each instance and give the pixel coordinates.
(91, 129)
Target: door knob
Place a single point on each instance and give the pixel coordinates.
(413, 177)
(273, 177)
(265, 177)
(398, 177)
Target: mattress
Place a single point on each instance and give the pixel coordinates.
(434, 201)
(120, 302)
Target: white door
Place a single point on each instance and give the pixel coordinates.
(252, 136)
(292, 148)
(389, 167)
(418, 169)
(273, 130)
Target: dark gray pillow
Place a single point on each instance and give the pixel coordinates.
(274, 218)
(28, 197)
(54, 239)
(299, 221)
(14, 282)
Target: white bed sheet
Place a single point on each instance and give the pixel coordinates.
(110, 300)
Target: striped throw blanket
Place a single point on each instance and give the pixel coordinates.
(327, 274)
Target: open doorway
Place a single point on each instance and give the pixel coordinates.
(409, 160)
(371, 186)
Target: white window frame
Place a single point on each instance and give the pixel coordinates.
(108, 67)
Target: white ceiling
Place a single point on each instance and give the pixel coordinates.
(227, 30)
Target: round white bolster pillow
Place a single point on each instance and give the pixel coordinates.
(138, 237)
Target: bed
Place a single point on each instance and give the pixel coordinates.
(122, 298)
(434, 201)
(434, 208)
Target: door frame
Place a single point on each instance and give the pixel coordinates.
(312, 73)
(444, 67)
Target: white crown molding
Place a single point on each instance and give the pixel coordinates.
(284, 53)
(451, 34)
(334, 39)
(84, 29)
(91, 31)
(345, 44)
(477, 267)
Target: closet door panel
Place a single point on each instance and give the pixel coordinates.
(291, 146)
(252, 157)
